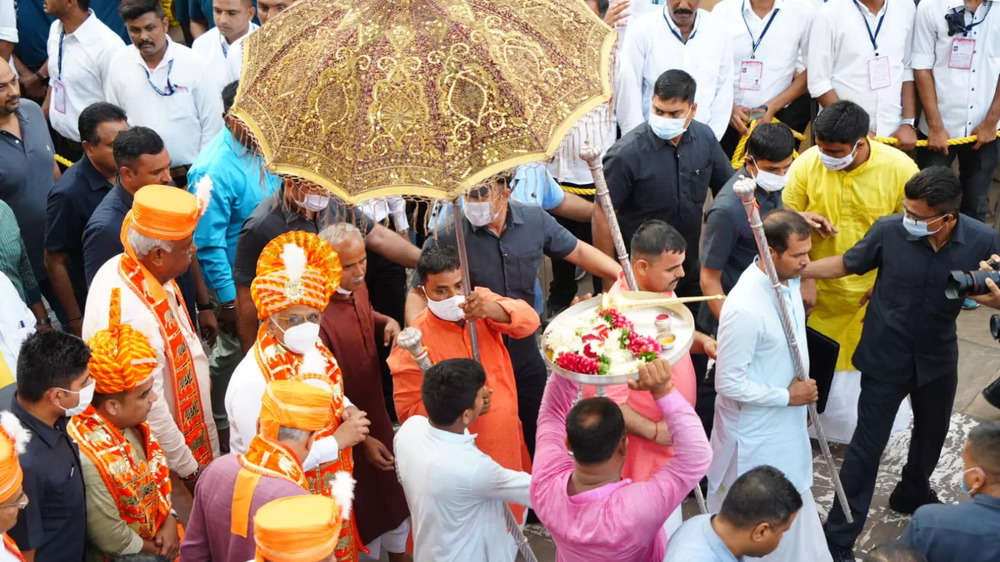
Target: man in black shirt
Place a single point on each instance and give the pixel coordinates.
(909, 345)
(663, 170)
(52, 384)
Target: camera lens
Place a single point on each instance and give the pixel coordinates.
(964, 283)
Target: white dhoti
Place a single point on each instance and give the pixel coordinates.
(803, 541)
(841, 414)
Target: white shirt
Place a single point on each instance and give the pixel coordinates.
(86, 54)
(244, 396)
(781, 50)
(16, 323)
(963, 96)
(651, 47)
(754, 424)
(136, 314)
(214, 52)
(840, 53)
(381, 208)
(187, 119)
(8, 22)
(596, 127)
(456, 494)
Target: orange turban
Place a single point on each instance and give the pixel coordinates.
(298, 404)
(168, 213)
(295, 268)
(121, 357)
(13, 440)
(303, 528)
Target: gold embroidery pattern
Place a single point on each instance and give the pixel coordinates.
(419, 97)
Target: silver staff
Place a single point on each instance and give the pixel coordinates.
(592, 157)
(411, 339)
(745, 188)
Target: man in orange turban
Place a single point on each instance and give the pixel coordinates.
(235, 486)
(296, 275)
(124, 468)
(157, 238)
(303, 528)
(13, 439)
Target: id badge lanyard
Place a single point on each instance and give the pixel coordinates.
(677, 34)
(873, 37)
(754, 43)
(879, 71)
(170, 87)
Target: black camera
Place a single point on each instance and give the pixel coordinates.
(956, 22)
(964, 283)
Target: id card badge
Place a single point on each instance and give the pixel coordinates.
(962, 49)
(879, 73)
(59, 95)
(751, 73)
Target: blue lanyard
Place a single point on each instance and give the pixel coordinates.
(170, 87)
(872, 36)
(62, 36)
(756, 43)
(225, 47)
(968, 28)
(674, 31)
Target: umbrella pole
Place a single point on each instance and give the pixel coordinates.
(463, 259)
(745, 188)
(592, 157)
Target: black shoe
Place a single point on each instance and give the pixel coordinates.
(841, 554)
(906, 505)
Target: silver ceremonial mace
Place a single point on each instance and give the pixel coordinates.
(592, 157)
(411, 339)
(744, 189)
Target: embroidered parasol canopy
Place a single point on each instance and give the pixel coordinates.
(419, 98)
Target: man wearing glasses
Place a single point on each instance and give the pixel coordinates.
(908, 344)
(164, 86)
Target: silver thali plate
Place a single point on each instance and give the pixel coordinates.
(643, 318)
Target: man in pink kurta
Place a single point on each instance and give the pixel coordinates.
(618, 520)
(657, 254)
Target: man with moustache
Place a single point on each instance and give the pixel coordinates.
(164, 86)
(678, 36)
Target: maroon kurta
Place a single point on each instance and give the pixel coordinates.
(349, 328)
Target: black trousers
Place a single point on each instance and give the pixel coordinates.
(386, 282)
(530, 377)
(975, 171)
(562, 289)
(932, 404)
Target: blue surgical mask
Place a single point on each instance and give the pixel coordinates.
(965, 487)
(919, 228)
(667, 128)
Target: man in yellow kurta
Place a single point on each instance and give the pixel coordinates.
(852, 181)
(124, 468)
(157, 236)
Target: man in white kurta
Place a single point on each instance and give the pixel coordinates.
(760, 412)
(135, 312)
(656, 43)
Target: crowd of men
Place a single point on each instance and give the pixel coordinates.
(181, 322)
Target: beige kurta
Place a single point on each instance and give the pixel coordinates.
(134, 312)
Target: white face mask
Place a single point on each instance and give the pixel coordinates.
(447, 309)
(767, 181)
(315, 202)
(479, 213)
(300, 338)
(86, 395)
(667, 128)
(837, 164)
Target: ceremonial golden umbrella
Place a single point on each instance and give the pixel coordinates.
(419, 98)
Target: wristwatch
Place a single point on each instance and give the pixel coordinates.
(909, 121)
(204, 307)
